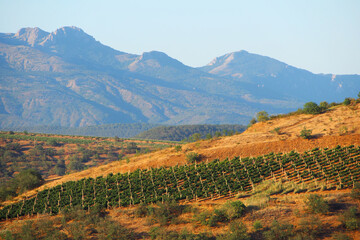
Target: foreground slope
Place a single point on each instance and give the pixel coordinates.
(286, 201)
(259, 139)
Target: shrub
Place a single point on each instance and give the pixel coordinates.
(192, 157)
(141, 210)
(257, 225)
(310, 228)
(347, 101)
(262, 116)
(53, 142)
(219, 215)
(355, 192)
(108, 229)
(316, 204)
(276, 130)
(341, 236)
(252, 121)
(234, 209)
(178, 148)
(211, 219)
(279, 231)
(311, 108)
(324, 106)
(238, 231)
(166, 212)
(163, 234)
(305, 133)
(350, 219)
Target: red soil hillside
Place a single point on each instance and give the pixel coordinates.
(339, 126)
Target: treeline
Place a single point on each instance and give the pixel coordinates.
(187, 132)
(122, 130)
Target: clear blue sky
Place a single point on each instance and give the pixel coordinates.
(322, 36)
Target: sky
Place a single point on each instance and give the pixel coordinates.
(322, 36)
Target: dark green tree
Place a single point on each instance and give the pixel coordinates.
(347, 101)
(311, 108)
(28, 179)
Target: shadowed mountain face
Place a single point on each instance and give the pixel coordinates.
(67, 78)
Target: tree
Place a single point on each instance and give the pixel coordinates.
(28, 179)
(60, 167)
(208, 136)
(262, 116)
(311, 108)
(347, 101)
(323, 106)
(76, 163)
(196, 137)
(252, 122)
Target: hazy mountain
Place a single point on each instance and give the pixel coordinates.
(265, 76)
(67, 78)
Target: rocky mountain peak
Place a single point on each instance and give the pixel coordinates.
(66, 35)
(155, 59)
(32, 36)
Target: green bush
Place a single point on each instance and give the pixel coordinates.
(53, 142)
(279, 231)
(347, 101)
(238, 231)
(341, 236)
(257, 225)
(310, 228)
(305, 133)
(316, 204)
(350, 219)
(178, 148)
(355, 192)
(166, 213)
(162, 234)
(141, 210)
(311, 108)
(192, 157)
(324, 106)
(262, 116)
(234, 209)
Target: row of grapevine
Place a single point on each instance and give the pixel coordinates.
(206, 180)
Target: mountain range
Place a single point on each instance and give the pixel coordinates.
(67, 78)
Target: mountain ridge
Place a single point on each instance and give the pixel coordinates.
(41, 72)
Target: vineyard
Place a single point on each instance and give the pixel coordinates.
(338, 167)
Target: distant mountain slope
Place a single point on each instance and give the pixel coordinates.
(67, 78)
(122, 130)
(179, 133)
(268, 75)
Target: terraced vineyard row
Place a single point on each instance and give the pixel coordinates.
(339, 167)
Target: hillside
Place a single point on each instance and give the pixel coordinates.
(278, 175)
(67, 78)
(122, 130)
(259, 139)
(186, 132)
